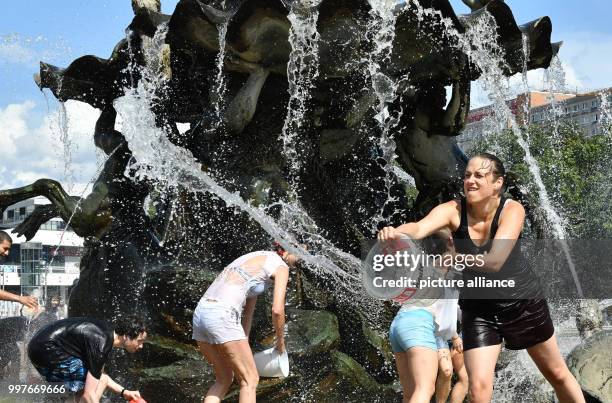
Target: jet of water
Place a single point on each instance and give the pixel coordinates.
(480, 44)
(302, 71)
(157, 158)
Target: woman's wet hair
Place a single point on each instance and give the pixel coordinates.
(497, 168)
(278, 248)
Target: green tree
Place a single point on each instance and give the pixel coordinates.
(576, 171)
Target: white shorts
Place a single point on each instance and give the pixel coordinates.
(216, 323)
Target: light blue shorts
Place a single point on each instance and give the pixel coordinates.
(411, 329)
(442, 344)
(216, 323)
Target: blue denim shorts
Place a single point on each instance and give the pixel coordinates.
(71, 372)
(414, 328)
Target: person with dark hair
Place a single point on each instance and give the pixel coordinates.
(74, 351)
(222, 319)
(6, 242)
(5, 237)
(47, 315)
(484, 222)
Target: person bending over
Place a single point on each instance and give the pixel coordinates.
(222, 319)
(74, 351)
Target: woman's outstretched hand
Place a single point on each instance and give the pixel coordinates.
(388, 234)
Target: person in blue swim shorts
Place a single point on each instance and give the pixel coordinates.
(74, 351)
(418, 336)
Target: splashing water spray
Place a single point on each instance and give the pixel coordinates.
(157, 158)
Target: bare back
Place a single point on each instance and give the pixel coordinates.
(244, 277)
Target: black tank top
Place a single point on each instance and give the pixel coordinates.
(516, 267)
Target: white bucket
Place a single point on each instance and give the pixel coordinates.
(271, 364)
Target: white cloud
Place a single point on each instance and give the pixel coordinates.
(32, 148)
(15, 53)
(585, 61)
(13, 126)
(17, 49)
(590, 55)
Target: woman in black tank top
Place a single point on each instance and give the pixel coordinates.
(485, 223)
(516, 269)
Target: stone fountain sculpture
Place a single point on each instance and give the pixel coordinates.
(179, 239)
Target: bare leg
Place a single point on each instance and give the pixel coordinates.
(445, 373)
(480, 365)
(549, 361)
(417, 368)
(223, 373)
(240, 357)
(460, 389)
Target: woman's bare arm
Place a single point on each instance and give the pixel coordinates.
(247, 314)
(438, 218)
(281, 277)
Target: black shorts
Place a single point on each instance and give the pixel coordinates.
(521, 327)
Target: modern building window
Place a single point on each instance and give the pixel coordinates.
(53, 225)
(10, 214)
(22, 211)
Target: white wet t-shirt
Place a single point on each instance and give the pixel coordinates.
(241, 279)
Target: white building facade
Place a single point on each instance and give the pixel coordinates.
(44, 266)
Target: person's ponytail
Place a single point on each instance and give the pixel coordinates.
(511, 181)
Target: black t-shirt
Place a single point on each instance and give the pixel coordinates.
(89, 339)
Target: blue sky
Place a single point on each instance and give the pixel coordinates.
(60, 31)
(70, 28)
